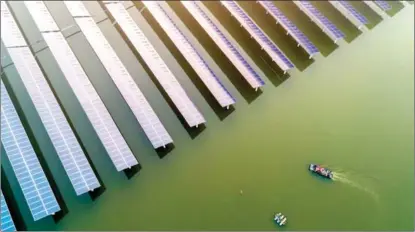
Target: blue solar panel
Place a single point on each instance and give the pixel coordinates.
(254, 79)
(64, 141)
(26, 166)
(151, 124)
(156, 64)
(249, 24)
(383, 4)
(290, 27)
(207, 75)
(69, 150)
(101, 120)
(7, 223)
(321, 18)
(354, 12)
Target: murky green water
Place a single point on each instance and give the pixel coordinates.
(351, 111)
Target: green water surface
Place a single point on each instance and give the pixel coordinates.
(352, 111)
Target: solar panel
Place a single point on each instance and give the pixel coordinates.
(135, 99)
(273, 51)
(13, 37)
(384, 5)
(62, 137)
(350, 12)
(7, 223)
(206, 74)
(26, 166)
(324, 23)
(290, 27)
(77, 9)
(40, 13)
(98, 115)
(224, 43)
(376, 8)
(160, 70)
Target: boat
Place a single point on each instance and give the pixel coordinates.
(280, 219)
(324, 172)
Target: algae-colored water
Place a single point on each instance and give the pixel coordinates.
(352, 111)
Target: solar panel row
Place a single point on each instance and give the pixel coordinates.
(6, 220)
(101, 120)
(13, 37)
(290, 27)
(203, 70)
(250, 75)
(273, 51)
(354, 16)
(26, 166)
(375, 7)
(151, 124)
(70, 153)
(383, 4)
(324, 23)
(156, 64)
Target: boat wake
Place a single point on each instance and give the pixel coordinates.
(345, 178)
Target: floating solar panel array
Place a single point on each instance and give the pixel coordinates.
(290, 27)
(105, 127)
(324, 23)
(26, 166)
(350, 13)
(151, 124)
(230, 51)
(57, 127)
(6, 220)
(159, 68)
(266, 43)
(202, 69)
(384, 5)
(376, 8)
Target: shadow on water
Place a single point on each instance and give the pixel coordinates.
(163, 151)
(131, 172)
(277, 34)
(192, 131)
(249, 45)
(325, 45)
(235, 77)
(12, 203)
(396, 7)
(373, 18)
(220, 111)
(350, 31)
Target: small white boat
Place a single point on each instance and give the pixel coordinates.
(280, 219)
